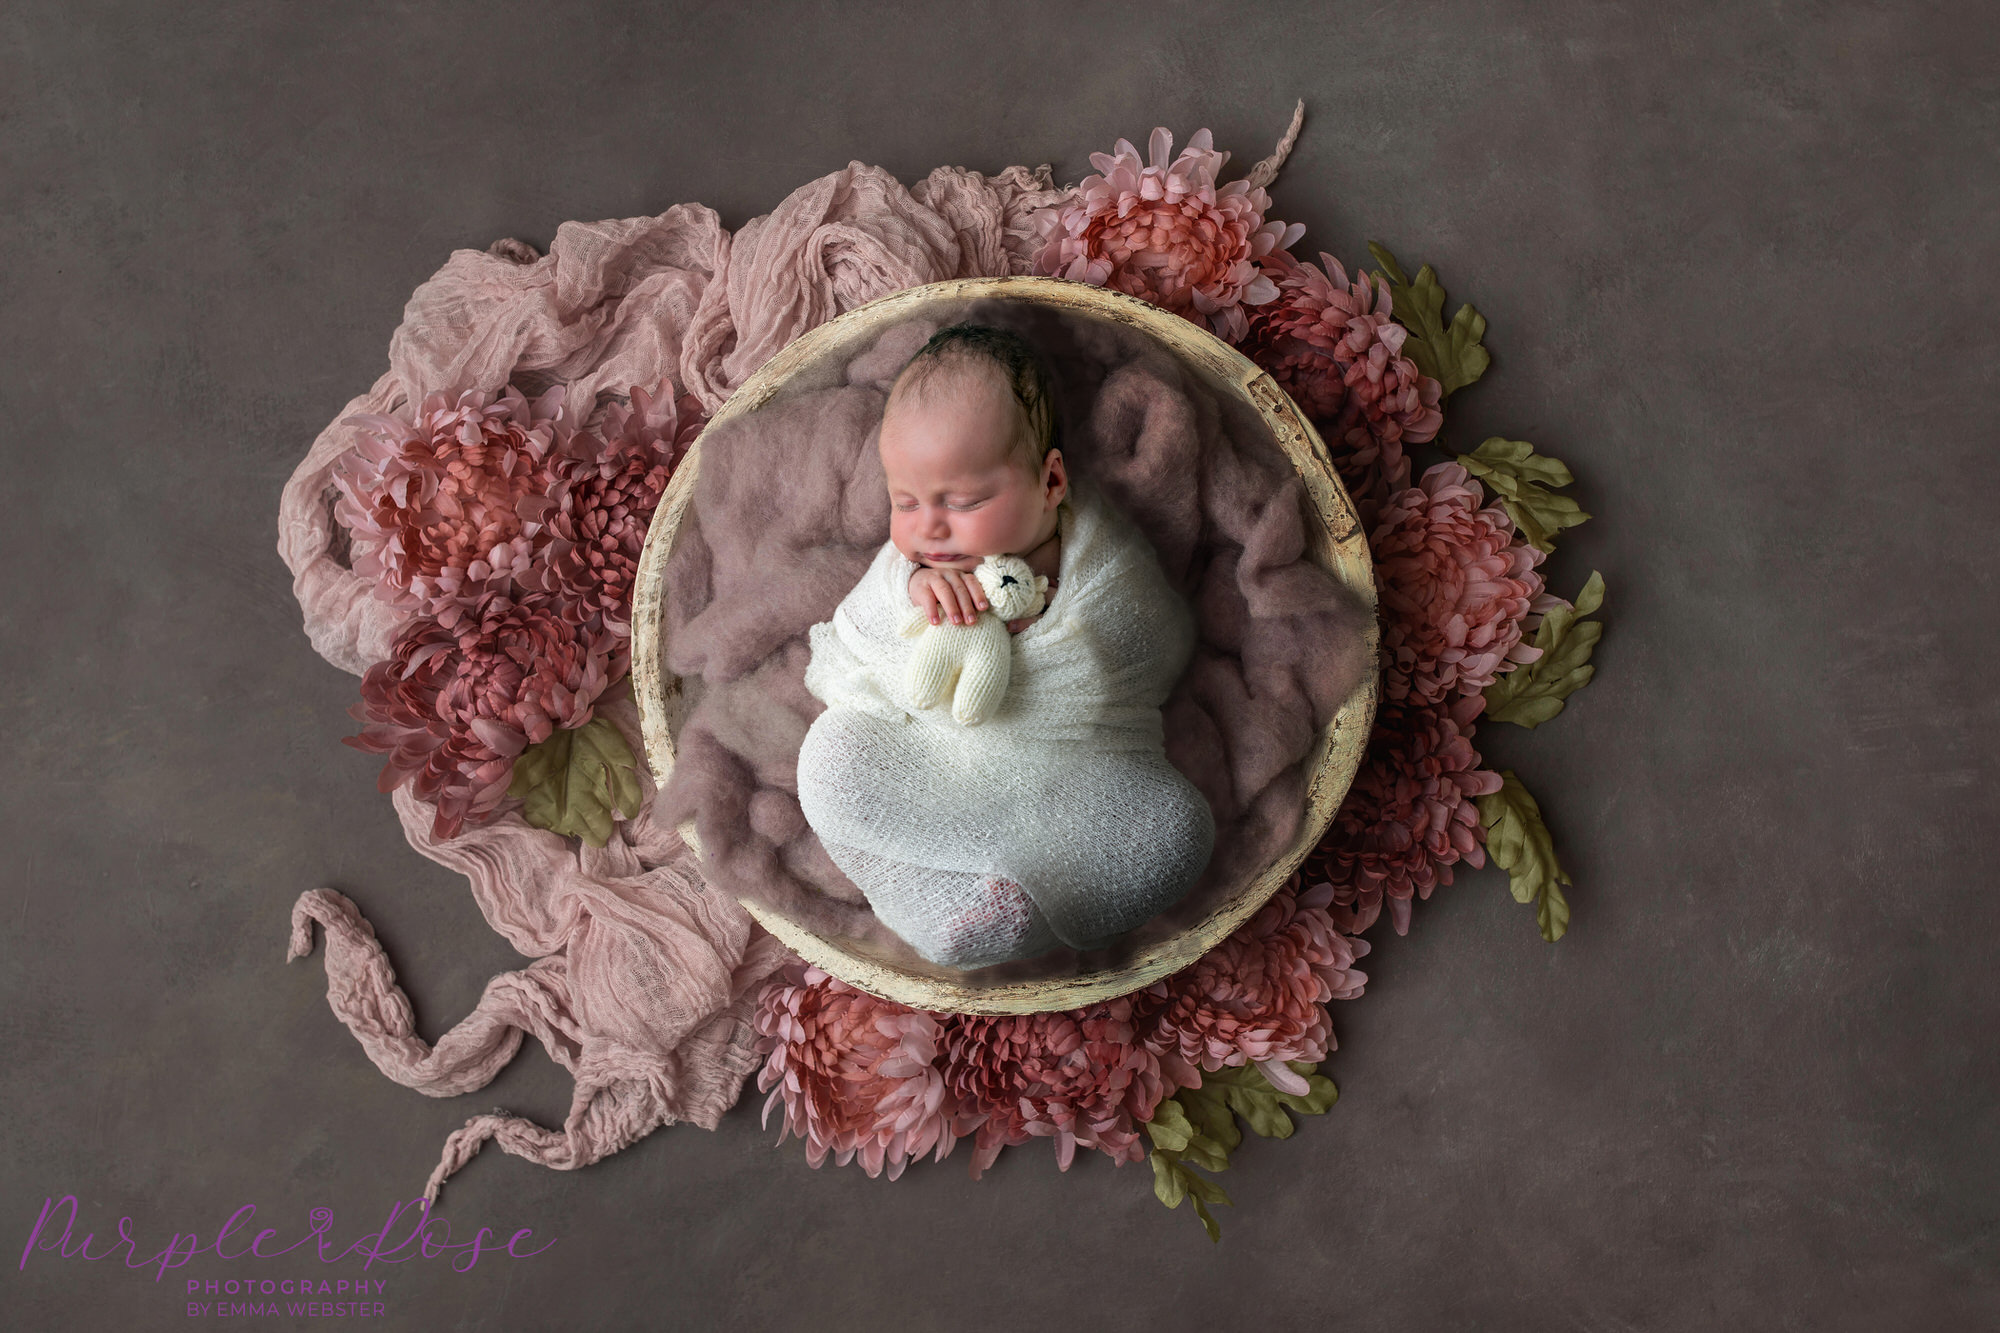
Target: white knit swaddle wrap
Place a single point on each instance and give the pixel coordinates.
(1064, 789)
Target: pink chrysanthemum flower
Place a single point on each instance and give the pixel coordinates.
(1259, 996)
(604, 485)
(1408, 818)
(434, 506)
(451, 708)
(1332, 345)
(1082, 1078)
(1457, 589)
(1165, 233)
(856, 1074)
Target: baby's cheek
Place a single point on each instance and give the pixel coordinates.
(1006, 525)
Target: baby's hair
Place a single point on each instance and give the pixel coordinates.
(961, 345)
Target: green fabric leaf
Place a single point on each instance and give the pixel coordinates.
(1205, 1192)
(1174, 1180)
(1250, 1095)
(1185, 1127)
(1197, 1127)
(1211, 1154)
(1320, 1094)
(1392, 271)
(1533, 692)
(1521, 479)
(1169, 1178)
(572, 782)
(1216, 1134)
(1195, 1123)
(1450, 354)
(1169, 1127)
(1520, 844)
(1261, 1110)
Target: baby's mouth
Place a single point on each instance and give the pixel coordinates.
(941, 557)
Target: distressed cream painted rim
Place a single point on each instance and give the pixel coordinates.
(1337, 544)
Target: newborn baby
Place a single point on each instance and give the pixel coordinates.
(1056, 820)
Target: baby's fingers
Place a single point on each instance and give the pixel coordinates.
(968, 607)
(927, 601)
(974, 592)
(946, 592)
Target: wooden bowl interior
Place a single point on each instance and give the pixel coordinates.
(1337, 544)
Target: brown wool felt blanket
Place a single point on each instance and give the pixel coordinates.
(790, 507)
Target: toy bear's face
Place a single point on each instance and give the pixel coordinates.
(1013, 589)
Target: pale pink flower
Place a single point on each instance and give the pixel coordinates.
(452, 707)
(1457, 589)
(1408, 818)
(1163, 232)
(434, 505)
(1258, 997)
(856, 1074)
(1082, 1078)
(603, 487)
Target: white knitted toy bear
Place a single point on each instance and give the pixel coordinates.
(970, 664)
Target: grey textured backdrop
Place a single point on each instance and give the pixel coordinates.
(1738, 261)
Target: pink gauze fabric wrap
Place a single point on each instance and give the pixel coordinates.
(643, 978)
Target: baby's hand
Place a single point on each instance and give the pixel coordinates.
(947, 594)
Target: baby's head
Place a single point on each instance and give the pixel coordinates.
(968, 448)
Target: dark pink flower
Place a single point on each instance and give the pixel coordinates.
(604, 485)
(1409, 817)
(1333, 347)
(452, 707)
(1457, 589)
(1164, 232)
(857, 1075)
(434, 505)
(1258, 997)
(1082, 1078)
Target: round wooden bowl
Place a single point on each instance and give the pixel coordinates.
(1337, 544)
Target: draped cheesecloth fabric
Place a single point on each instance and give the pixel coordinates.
(643, 978)
(1064, 790)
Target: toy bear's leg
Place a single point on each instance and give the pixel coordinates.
(983, 679)
(955, 919)
(932, 670)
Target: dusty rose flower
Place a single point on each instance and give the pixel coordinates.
(1408, 818)
(856, 1074)
(1082, 1078)
(452, 707)
(1457, 589)
(604, 485)
(1331, 344)
(434, 506)
(1259, 996)
(1163, 232)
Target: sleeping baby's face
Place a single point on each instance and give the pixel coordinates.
(963, 481)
